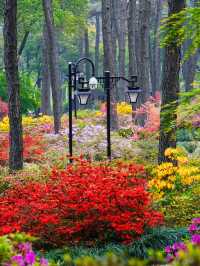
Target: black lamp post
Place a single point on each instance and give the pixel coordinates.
(84, 93)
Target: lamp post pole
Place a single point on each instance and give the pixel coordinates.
(70, 113)
(107, 89)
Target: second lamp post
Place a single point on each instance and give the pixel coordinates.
(84, 93)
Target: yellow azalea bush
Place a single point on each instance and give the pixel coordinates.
(4, 124)
(124, 108)
(168, 177)
(26, 121)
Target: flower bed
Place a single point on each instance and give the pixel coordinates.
(85, 203)
(34, 148)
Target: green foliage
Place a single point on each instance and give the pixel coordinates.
(188, 134)
(146, 151)
(29, 93)
(181, 27)
(189, 106)
(153, 239)
(183, 207)
(125, 132)
(191, 257)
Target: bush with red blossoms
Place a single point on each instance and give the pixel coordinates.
(34, 148)
(85, 203)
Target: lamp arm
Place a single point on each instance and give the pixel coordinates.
(88, 60)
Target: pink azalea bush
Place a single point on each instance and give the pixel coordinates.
(3, 109)
(194, 229)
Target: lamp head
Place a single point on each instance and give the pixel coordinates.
(83, 96)
(93, 83)
(133, 94)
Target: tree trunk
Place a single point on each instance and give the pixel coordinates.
(156, 55)
(53, 64)
(189, 67)
(23, 43)
(97, 42)
(122, 36)
(120, 13)
(114, 35)
(144, 55)
(12, 76)
(46, 84)
(170, 89)
(132, 24)
(87, 53)
(109, 56)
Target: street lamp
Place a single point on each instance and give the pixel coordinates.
(93, 83)
(133, 94)
(83, 95)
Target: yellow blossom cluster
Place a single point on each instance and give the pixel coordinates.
(177, 154)
(165, 177)
(188, 174)
(26, 121)
(124, 108)
(168, 177)
(98, 114)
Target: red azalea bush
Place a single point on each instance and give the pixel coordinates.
(84, 203)
(34, 147)
(3, 109)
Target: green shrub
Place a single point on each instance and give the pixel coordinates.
(125, 132)
(183, 207)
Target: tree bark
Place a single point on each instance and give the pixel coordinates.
(114, 35)
(120, 13)
(144, 54)
(97, 43)
(132, 24)
(53, 64)
(189, 67)
(12, 76)
(109, 56)
(87, 53)
(23, 43)
(46, 84)
(170, 89)
(156, 51)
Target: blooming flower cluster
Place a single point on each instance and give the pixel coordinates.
(85, 202)
(26, 257)
(169, 177)
(123, 108)
(150, 111)
(27, 121)
(194, 229)
(34, 148)
(90, 141)
(17, 251)
(3, 109)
